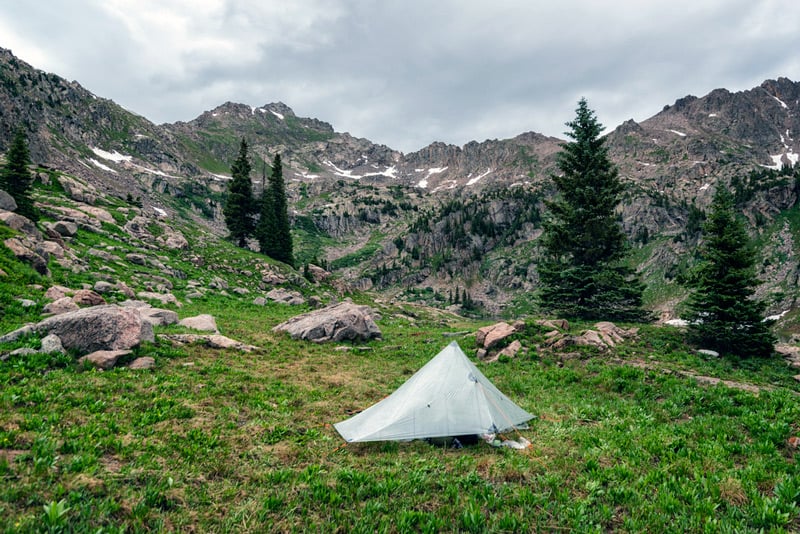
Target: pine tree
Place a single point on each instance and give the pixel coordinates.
(581, 270)
(238, 210)
(723, 315)
(16, 178)
(274, 231)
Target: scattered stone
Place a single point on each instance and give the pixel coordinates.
(314, 302)
(285, 296)
(558, 324)
(52, 343)
(136, 259)
(104, 327)
(123, 288)
(101, 286)
(27, 303)
(260, 301)
(59, 306)
(104, 359)
(241, 290)
(214, 341)
(163, 298)
(218, 283)
(87, 297)
(511, 350)
(144, 362)
(336, 322)
(174, 240)
(481, 354)
(317, 273)
(158, 316)
(203, 322)
(102, 254)
(23, 351)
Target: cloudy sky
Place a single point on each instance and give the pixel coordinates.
(408, 72)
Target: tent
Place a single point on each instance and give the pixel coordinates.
(449, 396)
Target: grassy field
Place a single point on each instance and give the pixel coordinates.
(226, 441)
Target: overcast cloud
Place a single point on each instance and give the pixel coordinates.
(408, 72)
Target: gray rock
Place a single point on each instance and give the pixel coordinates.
(21, 224)
(104, 359)
(337, 322)
(7, 202)
(260, 301)
(203, 322)
(163, 298)
(52, 343)
(99, 328)
(136, 259)
(57, 292)
(18, 334)
(241, 290)
(27, 303)
(285, 296)
(101, 286)
(158, 316)
(87, 297)
(65, 228)
(144, 362)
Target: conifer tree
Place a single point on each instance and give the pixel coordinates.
(581, 270)
(16, 178)
(723, 315)
(274, 232)
(238, 210)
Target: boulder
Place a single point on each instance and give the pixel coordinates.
(285, 296)
(21, 224)
(59, 306)
(104, 359)
(105, 327)
(87, 297)
(136, 259)
(163, 298)
(144, 362)
(7, 202)
(318, 274)
(52, 343)
(101, 286)
(203, 322)
(158, 316)
(558, 324)
(336, 322)
(65, 228)
(174, 240)
(489, 336)
(214, 341)
(27, 255)
(57, 292)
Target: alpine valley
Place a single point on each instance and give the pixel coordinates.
(443, 222)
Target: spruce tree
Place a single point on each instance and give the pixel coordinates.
(581, 271)
(722, 313)
(16, 178)
(238, 210)
(274, 231)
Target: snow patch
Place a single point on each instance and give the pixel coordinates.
(676, 132)
(341, 172)
(781, 102)
(221, 177)
(390, 172)
(436, 170)
(776, 317)
(712, 115)
(159, 212)
(704, 187)
(279, 115)
(475, 180)
(111, 156)
(101, 166)
(677, 322)
(777, 160)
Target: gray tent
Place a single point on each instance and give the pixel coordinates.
(449, 396)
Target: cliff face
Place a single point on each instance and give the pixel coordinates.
(445, 219)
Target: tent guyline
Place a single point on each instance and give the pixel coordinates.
(447, 397)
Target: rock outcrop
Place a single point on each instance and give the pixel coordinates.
(337, 322)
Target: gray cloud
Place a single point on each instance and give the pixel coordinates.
(408, 73)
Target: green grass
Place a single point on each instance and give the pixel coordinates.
(228, 441)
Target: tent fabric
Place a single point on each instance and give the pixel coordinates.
(449, 396)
